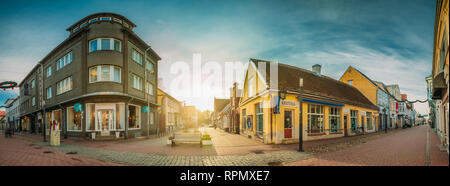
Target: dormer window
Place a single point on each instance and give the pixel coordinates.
(93, 20)
(126, 25)
(117, 20)
(105, 44)
(83, 25)
(76, 29)
(105, 18)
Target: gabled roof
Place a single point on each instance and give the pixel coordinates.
(317, 85)
(219, 104)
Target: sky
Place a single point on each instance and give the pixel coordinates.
(391, 41)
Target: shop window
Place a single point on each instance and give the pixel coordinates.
(134, 117)
(335, 119)
(315, 118)
(354, 119)
(259, 119)
(57, 117)
(369, 121)
(120, 116)
(73, 120)
(90, 117)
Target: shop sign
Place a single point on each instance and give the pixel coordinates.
(289, 103)
(363, 112)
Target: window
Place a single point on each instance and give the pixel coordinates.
(250, 86)
(335, 119)
(350, 82)
(315, 118)
(137, 82)
(104, 73)
(49, 71)
(244, 119)
(75, 29)
(90, 117)
(93, 20)
(149, 88)
(136, 56)
(125, 24)
(354, 119)
(105, 44)
(65, 60)
(49, 92)
(117, 20)
(73, 120)
(120, 117)
(83, 25)
(33, 83)
(259, 119)
(33, 101)
(149, 66)
(105, 18)
(369, 121)
(64, 86)
(134, 117)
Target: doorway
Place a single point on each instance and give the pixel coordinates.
(288, 124)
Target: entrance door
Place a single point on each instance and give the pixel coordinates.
(105, 120)
(345, 125)
(287, 124)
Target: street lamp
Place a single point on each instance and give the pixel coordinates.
(300, 134)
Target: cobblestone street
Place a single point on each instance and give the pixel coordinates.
(398, 147)
(407, 147)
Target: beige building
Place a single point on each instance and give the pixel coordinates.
(170, 112)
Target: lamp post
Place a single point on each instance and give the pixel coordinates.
(300, 134)
(146, 91)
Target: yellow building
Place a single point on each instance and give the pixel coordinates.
(330, 108)
(440, 74)
(374, 91)
(170, 112)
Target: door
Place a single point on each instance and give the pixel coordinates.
(345, 125)
(287, 124)
(105, 120)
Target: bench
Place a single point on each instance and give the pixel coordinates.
(187, 138)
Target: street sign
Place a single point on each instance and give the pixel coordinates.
(146, 109)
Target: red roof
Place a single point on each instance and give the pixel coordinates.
(2, 113)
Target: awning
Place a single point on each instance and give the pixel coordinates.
(322, 102)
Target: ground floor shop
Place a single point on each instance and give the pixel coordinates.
(98, 118)
(273, 120)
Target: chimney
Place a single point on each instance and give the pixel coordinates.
(316, 69)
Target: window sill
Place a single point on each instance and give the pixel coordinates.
(106, 82)
(335, 132)
(316, 134)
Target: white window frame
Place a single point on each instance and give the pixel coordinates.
(111, 74)
(111, 44)
(64, 85)
(49, 71)
(322, 113)
(140, 116)
(136, 77)
(135, 56)
(148, 90)
(49, 93)
(33, 101)
(338, 116)
(67, 119)
(64, 61)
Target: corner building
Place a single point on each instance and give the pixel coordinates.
(97, 82)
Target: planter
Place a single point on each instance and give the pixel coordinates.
(207, 143)
(169, 143)
(93, 135)
(117, 134)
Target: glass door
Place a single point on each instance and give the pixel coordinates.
(287, 124)
(105, 120)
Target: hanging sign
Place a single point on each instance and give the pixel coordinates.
(78, 107)
(146, 109)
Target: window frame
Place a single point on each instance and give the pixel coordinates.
(147, 90)
(61, 88)
(93, 20)
(108, 19)
(354, 117)
(334, 115)
(49, 69)
(61, 62)
(138, 108)
(140, 88)
(310, 114)
(67, 119)
(111, 75)
(99, 44)
(134, 53)
(47, 93)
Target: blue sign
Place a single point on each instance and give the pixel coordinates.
(78, 107)
(146, 109)
(276, 105)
